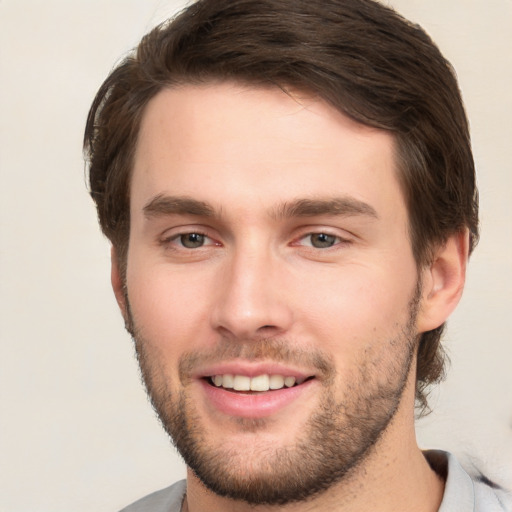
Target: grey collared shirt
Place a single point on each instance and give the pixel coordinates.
(463, 493)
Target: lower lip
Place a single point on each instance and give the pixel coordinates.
(249, 405)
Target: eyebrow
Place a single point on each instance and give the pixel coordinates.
(162, 205)
(343, 206)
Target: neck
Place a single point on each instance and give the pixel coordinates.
(394, 476)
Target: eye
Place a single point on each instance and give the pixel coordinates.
(192, 240)
(187, 241)
(321, 240)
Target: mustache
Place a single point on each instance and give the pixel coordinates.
(279, 351)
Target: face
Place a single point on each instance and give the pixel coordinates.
(270, 287)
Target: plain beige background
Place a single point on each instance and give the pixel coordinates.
(76, 431)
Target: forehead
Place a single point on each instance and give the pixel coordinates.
(227, 144)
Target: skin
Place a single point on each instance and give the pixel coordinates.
(247, 154)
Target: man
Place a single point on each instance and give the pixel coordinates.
(289, 191)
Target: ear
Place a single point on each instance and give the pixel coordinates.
(443, 282)
(117, 283)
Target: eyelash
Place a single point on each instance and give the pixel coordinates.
(179, 238)
(336, 240)
(168, 241)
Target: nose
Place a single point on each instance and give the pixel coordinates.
(251, 299)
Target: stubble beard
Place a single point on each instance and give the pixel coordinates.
(335, 440)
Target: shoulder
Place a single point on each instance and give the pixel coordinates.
(165, 500)
(467, 489)
(490, 495)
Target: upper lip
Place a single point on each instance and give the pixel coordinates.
(252, 369)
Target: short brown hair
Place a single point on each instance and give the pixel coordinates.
(358, 55)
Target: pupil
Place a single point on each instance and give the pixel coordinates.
(322, 240)
(192, 240)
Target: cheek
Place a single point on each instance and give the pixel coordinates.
(363, 325)
(355, 309)
(169, 308)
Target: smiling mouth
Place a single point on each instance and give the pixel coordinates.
(258, 384)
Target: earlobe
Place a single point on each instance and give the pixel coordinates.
(117, 283)
(443, 282)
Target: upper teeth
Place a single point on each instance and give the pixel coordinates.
(259, 383)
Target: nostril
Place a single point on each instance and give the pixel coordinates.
(267, 331)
